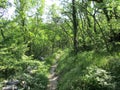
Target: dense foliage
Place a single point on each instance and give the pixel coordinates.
(85, 32)
(88, 71)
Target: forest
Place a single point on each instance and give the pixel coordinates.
(59, 44)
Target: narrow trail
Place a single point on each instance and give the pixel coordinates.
(53, 77)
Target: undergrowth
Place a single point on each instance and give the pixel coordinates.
(88, 71)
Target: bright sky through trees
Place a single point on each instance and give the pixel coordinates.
(10, 10)
(48, 4)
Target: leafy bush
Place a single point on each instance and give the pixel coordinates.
(97, 79)
(16, 65)
(36, 81)
(85, 71)
(33, 73)
(93, 78)
(114, 68)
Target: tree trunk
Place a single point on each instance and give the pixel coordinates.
(74, 27)
(3, 36)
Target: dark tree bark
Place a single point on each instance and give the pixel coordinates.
(104, 38)
(98, 1)
(106, 14)
(2, 34)
(74, 12)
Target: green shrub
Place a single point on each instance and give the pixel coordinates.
(114, 68)
(85, 71)
(93, 78)
(33, 72)
(36, 81)
(97, 79)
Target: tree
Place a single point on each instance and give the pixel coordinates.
(75, 30)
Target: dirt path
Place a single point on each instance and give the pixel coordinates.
(53, 78)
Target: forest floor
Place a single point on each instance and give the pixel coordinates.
(53, 77)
